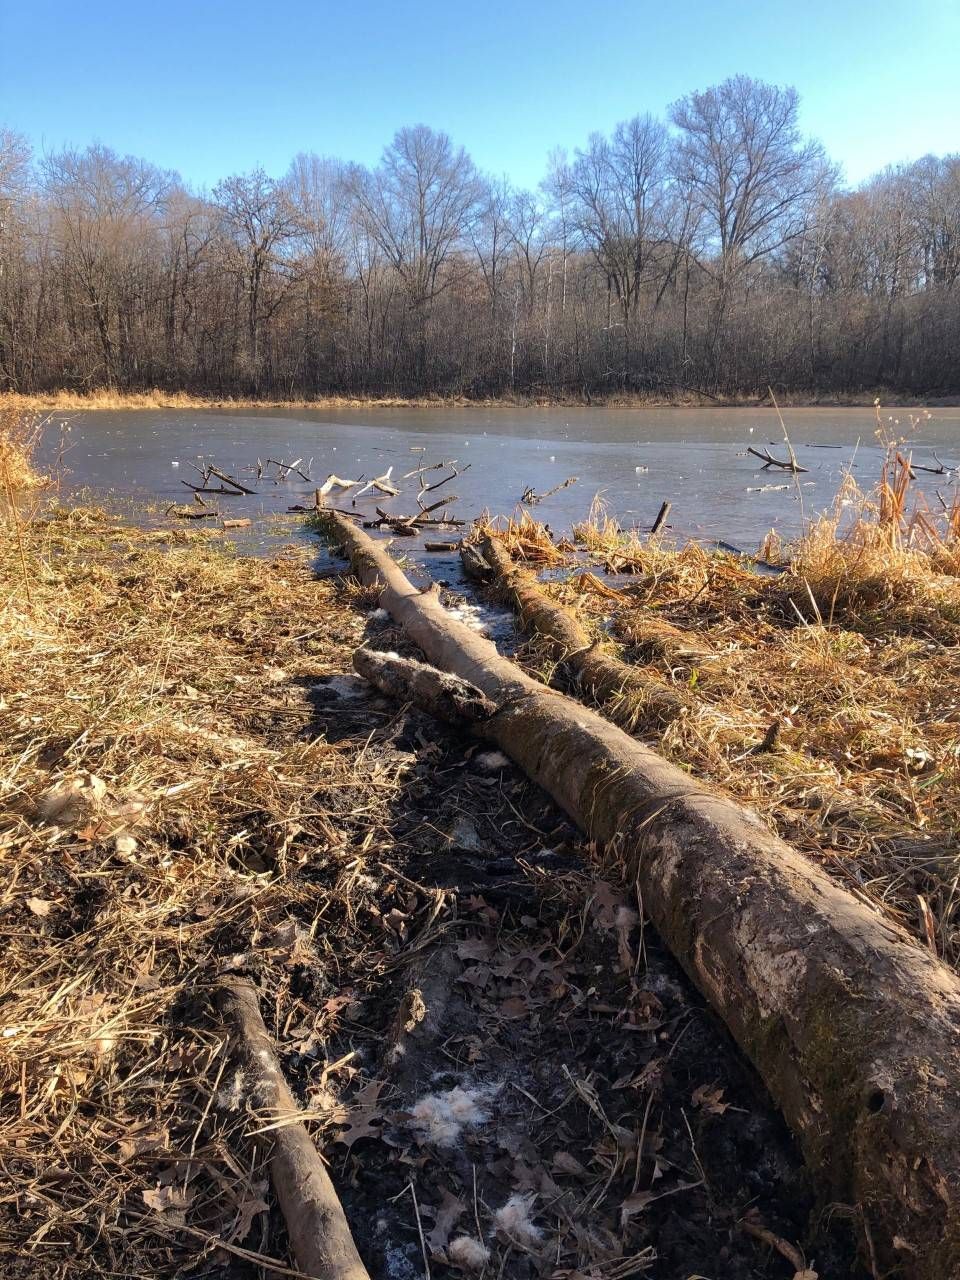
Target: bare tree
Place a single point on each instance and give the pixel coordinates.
(107, 212)
(620, 185)
(261, 222)
(751, 175)
(420, 204)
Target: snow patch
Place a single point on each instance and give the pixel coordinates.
(491, 761)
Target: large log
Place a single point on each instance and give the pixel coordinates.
(319, 1235)
(854, 1028)
(635, 698)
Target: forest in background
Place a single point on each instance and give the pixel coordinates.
(713, 252)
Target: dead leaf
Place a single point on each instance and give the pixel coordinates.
(445, 1215)
(249, 1209)
(606, 902)
(515, 1007)
(564, 1162)
(137, 1144)
(171, 1202)
(475, 949)
(39, 906)
(477, 975)
(710, 1099)
(359, 1117)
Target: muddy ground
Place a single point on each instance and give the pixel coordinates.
(510, 966)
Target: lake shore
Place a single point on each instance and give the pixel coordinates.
(105, 398)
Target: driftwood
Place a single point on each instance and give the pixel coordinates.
(244, 522)
(334, 482)
(530, 497)
(284, 468)
(319, 1235)
(383, 484)
(661, 517)
(447, 697)
(221, 489)
(941, 469)
(454, 472)
(769, 460)
(854, 1027)
(636, 698)
(220, 475)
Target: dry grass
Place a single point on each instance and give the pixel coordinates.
(109, 398)
(156, 398)
(166, 813)
(826, 696)
(19, 435)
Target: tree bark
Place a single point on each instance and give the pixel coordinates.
(634, 698)
(854, 1028)
(319, 1235)
(444, 696)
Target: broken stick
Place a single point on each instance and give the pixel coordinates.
(316, 1224)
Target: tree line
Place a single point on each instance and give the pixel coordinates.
(713, 251)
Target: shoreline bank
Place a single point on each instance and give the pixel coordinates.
(74, 401)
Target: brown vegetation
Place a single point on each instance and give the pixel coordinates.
(852, 1026)
(704, 257)
(19, 435)
(826, 696)
(183, 797)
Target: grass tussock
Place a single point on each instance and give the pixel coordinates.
(19, 436)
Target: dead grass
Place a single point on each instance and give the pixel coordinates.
(110, 398)
(19, 434)
(826, 696)
(162, 796)
(157, 398)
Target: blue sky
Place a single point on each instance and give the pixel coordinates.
(211, 88)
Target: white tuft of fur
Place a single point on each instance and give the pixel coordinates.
(491, 761)
(440, 1118)
(514, 1221)
(234, 1095)
(468, 1253)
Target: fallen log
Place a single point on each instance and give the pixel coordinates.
(447, 697)
(636, 698)
(221, 489)
(853, 1027)
(221, 475)
(319, 1235)
(769, 460)
(334, 482)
